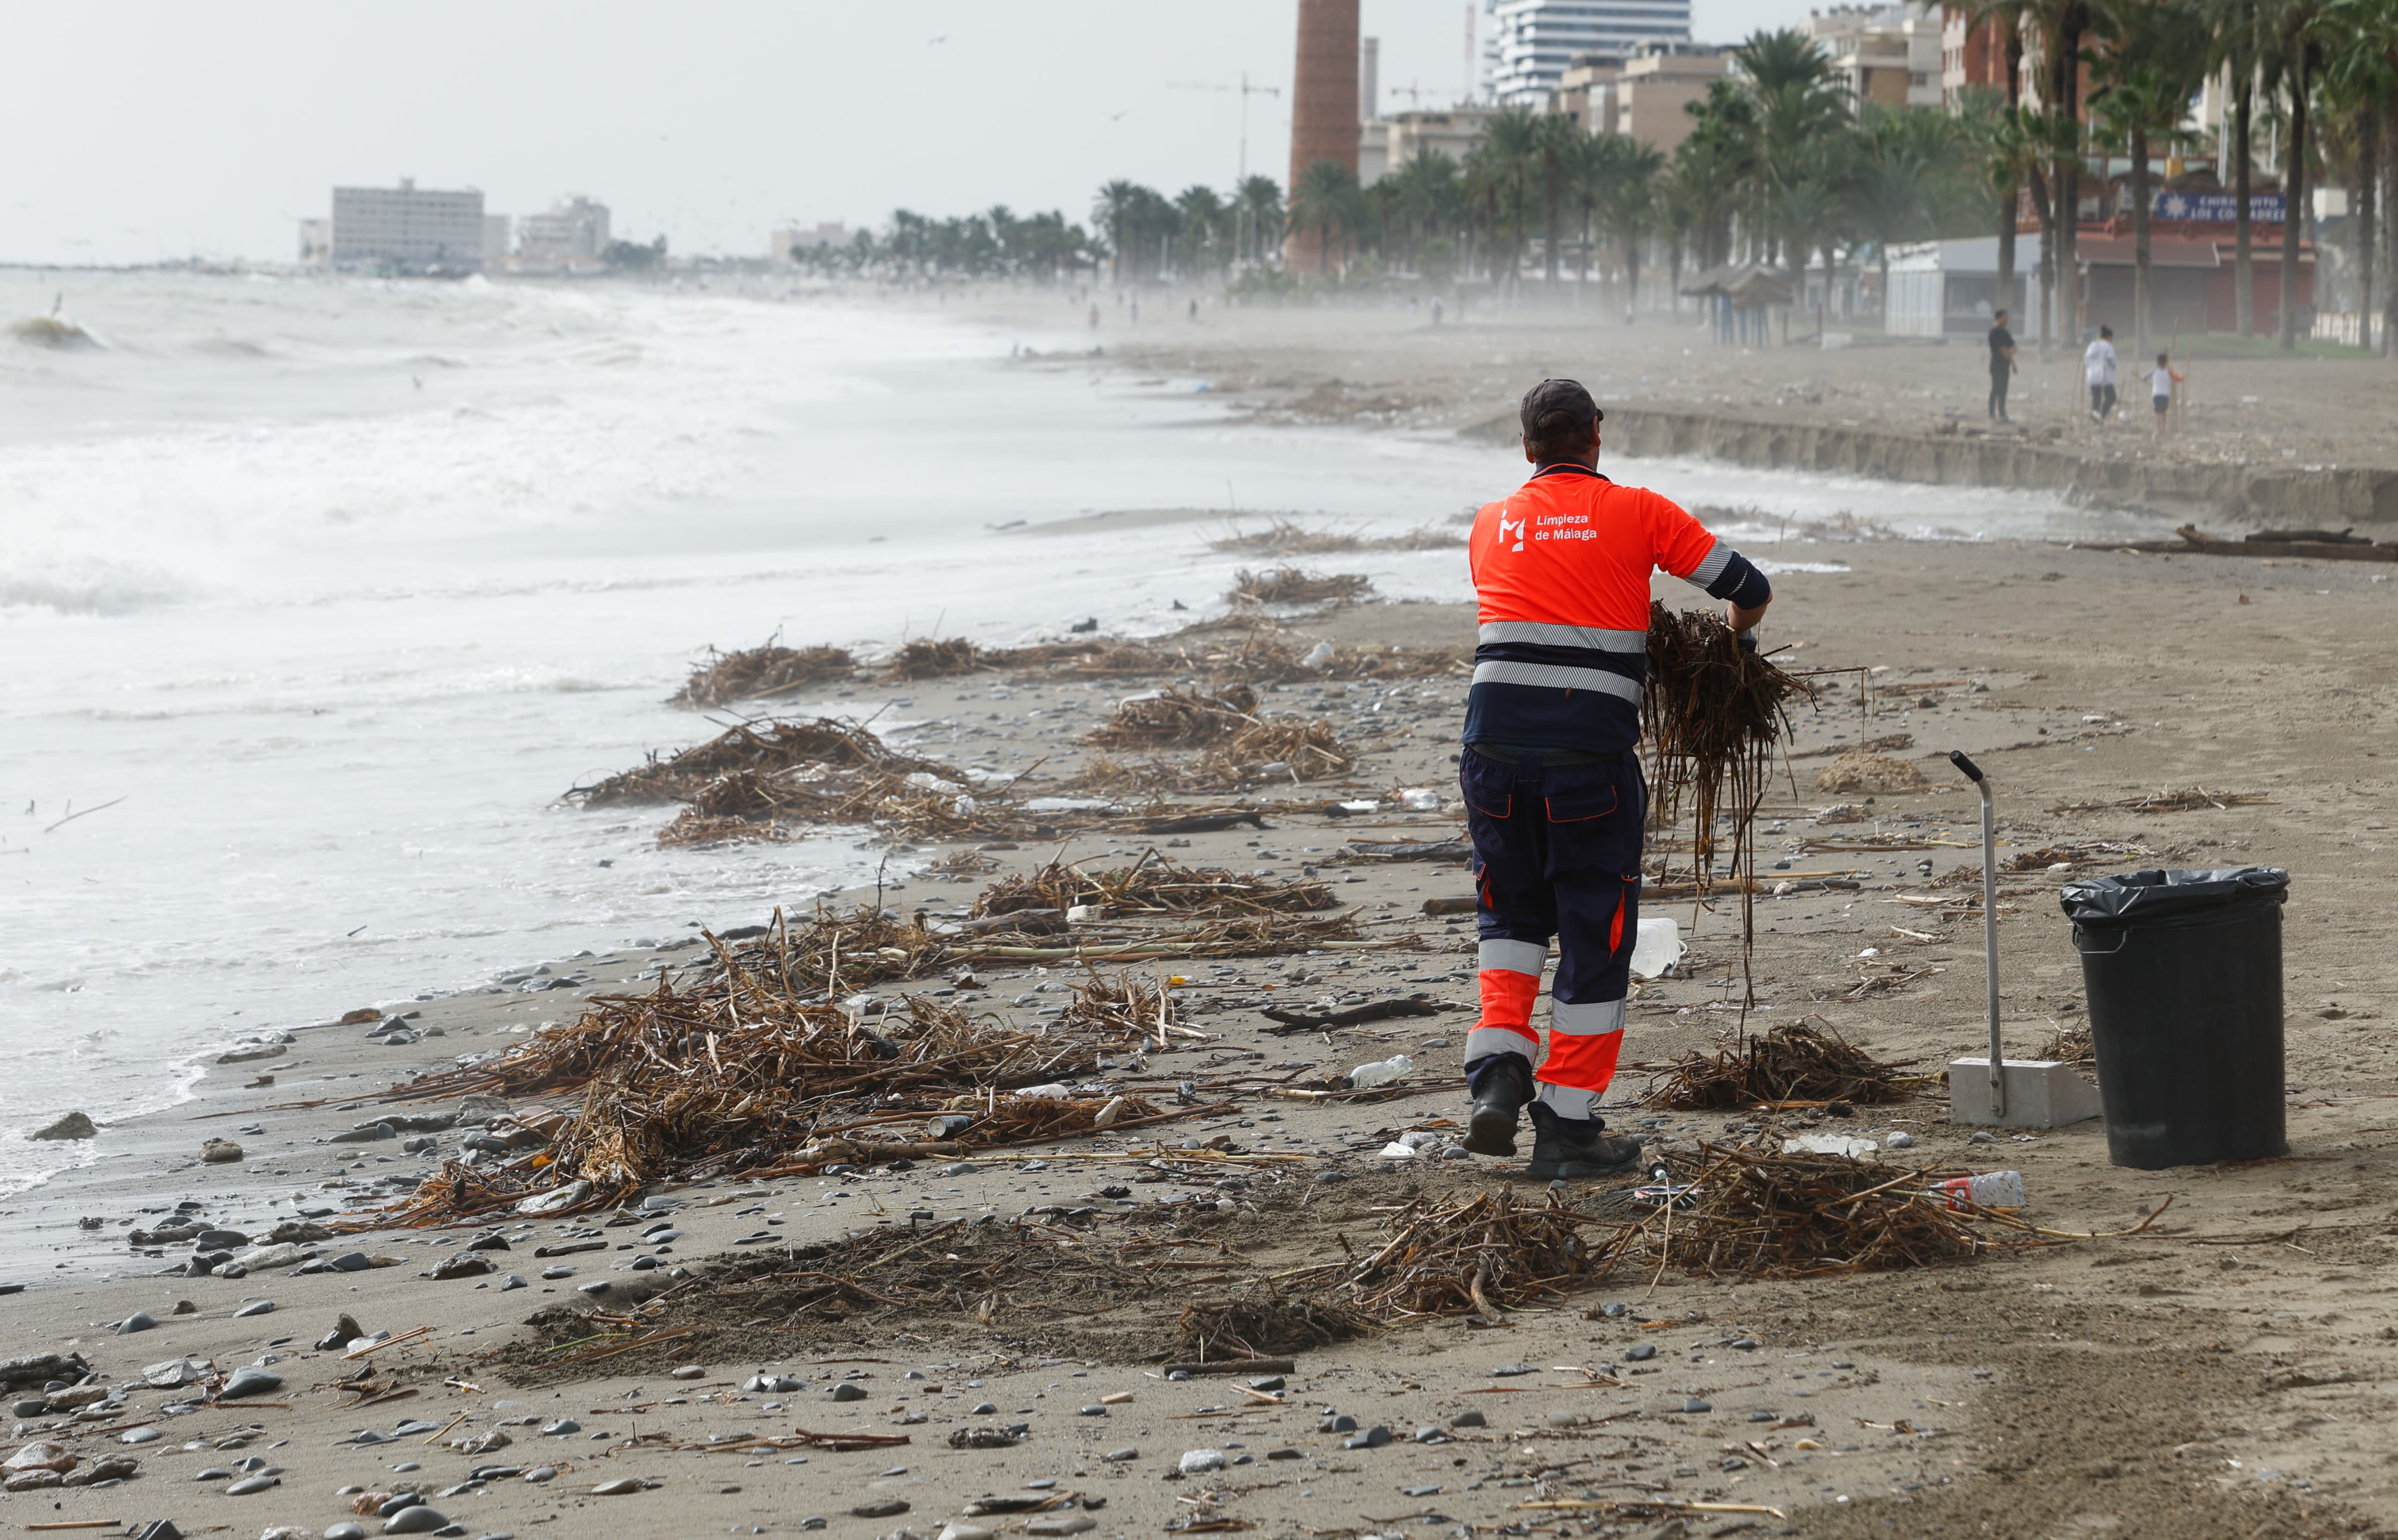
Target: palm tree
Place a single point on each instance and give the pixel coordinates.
(2147, 78)
(1813, 195)
(2361, 82)
(2299, 22)
(1898, 162)
(1628, 173)
(2008, 171)
(1202, 214)
(1799, 100)
(1556, 142)
(1260, 201)
(1509, 147)
(2241, 42)
(1112, 212)
(1326, 199)
(2016, 141)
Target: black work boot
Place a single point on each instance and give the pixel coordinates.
(1566, 1150)
(1500, 1092)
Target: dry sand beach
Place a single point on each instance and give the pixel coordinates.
(2226, 1371)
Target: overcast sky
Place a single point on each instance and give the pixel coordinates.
(137, 132)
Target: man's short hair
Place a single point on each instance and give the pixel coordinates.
(2002, 315)
(1558, 417)
(2106, 331)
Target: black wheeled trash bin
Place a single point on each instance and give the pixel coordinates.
(2184, 976)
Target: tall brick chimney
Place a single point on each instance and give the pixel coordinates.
(1323, 107)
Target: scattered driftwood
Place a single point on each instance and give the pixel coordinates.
(1373, 1010)
(1152, 887)
(2323, 545)
(1792, 1063)
(2188, 799)
(759, 673)
(1410, 850)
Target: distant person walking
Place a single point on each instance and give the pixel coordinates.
(1095, 315)
(2098, 369)
(2002, 365)
(1436, 312)
(2161, 380)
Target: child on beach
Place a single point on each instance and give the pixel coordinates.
(2161, 383)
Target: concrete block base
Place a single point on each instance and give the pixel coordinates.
(2041, 1093)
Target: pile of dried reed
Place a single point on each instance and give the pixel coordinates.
(1263, 1322)
(1277, 751)
(1755, 1215)
(1286, 586)
(927, 658)
(758, 673)
(1123, 1008)
(1792, 1063)
(1175, 719)
(1480, 1257)
(1285, 536)
(751, 746)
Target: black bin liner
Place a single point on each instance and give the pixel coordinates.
(2184, 976)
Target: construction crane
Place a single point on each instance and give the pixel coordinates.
(1247, 91)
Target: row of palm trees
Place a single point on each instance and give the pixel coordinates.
(2327, 69)
(994, 243)
(1780, 166)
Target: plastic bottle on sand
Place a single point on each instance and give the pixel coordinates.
(1380, 1074)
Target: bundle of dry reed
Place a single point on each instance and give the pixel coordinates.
(1175, 719)
(1794, 1062)
(751, 746)
(759, 673)
(1284, 586)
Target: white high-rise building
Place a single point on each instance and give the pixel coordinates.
(1528, 44)
(408, 229)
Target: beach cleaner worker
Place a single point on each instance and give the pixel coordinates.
(1554, 795)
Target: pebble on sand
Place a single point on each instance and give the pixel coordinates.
(73, 1125)
(1195, 1460)
(218, 1150)
(249, 1380)
(419, 1520)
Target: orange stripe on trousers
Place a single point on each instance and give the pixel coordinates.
(1507, 1001)
(1582, 1063)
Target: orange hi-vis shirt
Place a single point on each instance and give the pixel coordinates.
(1561, 572)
